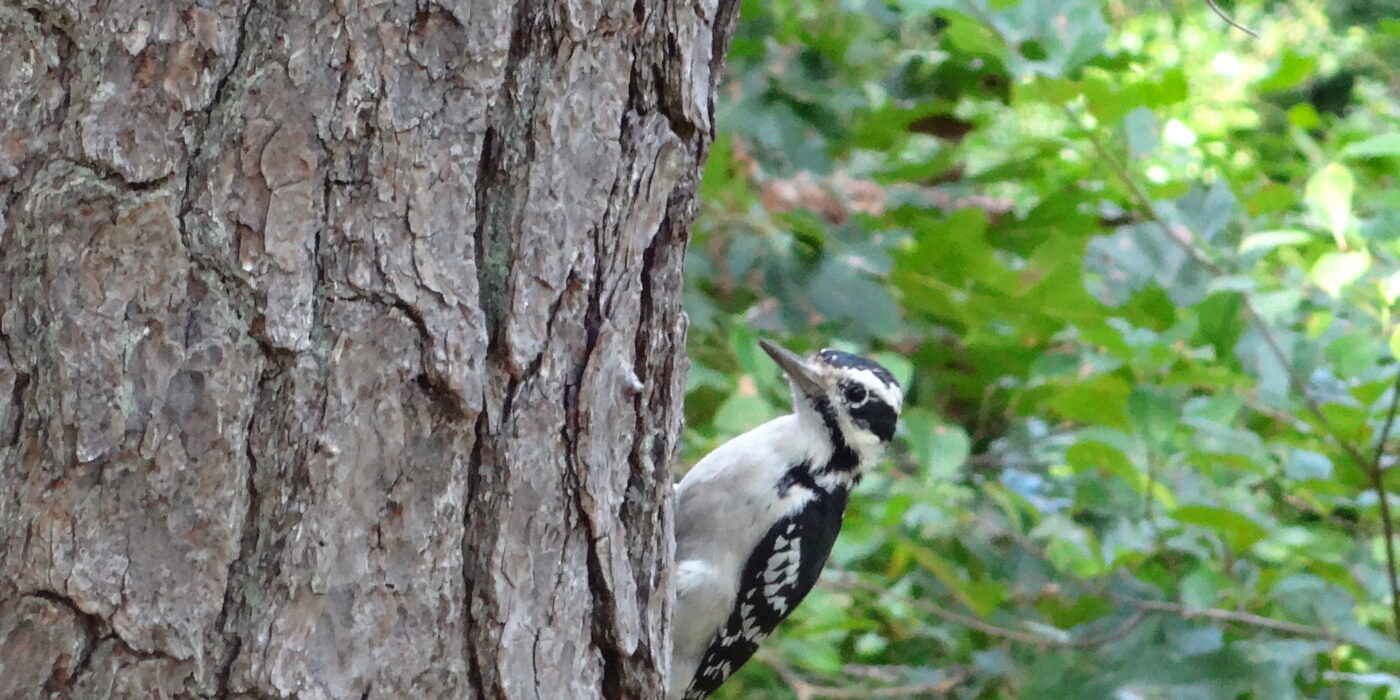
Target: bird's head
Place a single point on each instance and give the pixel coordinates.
(847, 393)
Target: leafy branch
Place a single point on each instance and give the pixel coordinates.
(1186, 240)
(1142, 607)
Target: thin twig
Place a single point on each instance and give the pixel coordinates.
(928, 606)
(807, 690)
(1378, 481)
(1183, 238)
(1243, 618)
(1229, 20)
(1112, 635)
(1029, 638)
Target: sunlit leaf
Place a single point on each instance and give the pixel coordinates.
(1329, 194)
(1379, 146)
(1268, 240)
(1291, 69)
(1334, 271)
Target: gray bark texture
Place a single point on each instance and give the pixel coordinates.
(341, 350)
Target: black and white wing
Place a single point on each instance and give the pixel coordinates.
(776, 577)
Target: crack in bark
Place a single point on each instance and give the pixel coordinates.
(230, 280)
(247, 544)
(486, 276)
(237, 291)
(17, 405)
(639, 478)
(91, 625)
(507, 154)
(97, 630)
(109, 175)
(238, 53)
(434, 385)
(604, 611)
(603, 634)
(469, 583)
(535, 654)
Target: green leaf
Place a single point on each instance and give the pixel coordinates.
(941, 448)
(1144, 132)
(1085, 609)
(1201, 588)
(1304, 116)
(740, 413)
(1329, 193)
(1239, 532)
(1205, 211)
(1292, 69)
(1265, 241)
(1334, 271)
(1092, 456)
(979, 600)
(1070, 548)
(1379, 146)
(1046, 89)
(1194, 639)
(1099, 400)
(871, 645)
(1354, 354)
(950, 449)
(1173, 88)
(1272, 198)
(972, 37)
(1390, 291)
(1305, 464)
(1153, 415)
(1108, 102)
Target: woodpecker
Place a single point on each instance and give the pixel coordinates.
(756, 518)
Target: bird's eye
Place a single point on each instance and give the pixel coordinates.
(855, 394)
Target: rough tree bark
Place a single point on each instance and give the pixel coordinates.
(341, 352)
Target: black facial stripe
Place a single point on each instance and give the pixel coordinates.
(836, 358)
(843, 458)
(878, 416)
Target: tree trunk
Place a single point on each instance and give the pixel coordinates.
(341, 351)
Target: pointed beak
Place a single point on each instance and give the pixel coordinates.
(795, 368)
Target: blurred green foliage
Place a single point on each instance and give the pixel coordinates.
(1138, 274)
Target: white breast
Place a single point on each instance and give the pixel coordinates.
(724, 505)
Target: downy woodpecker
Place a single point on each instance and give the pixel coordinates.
(756, 518)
